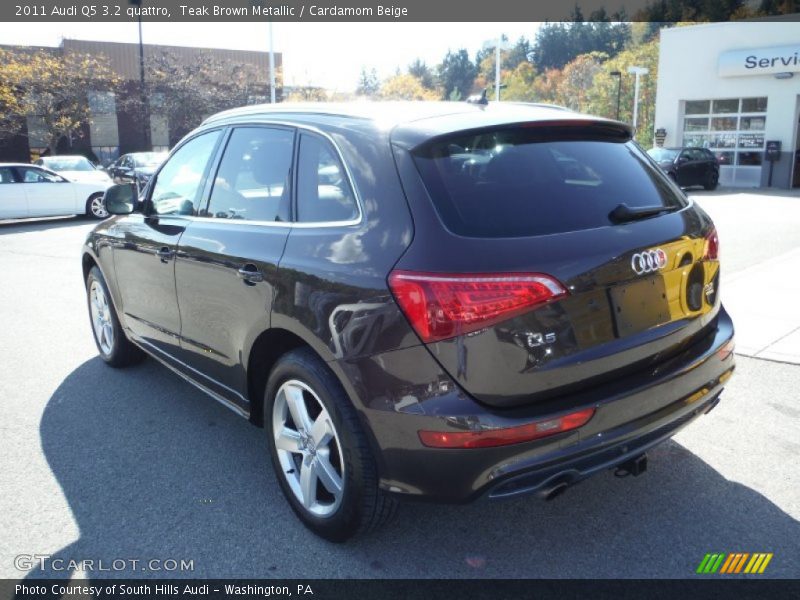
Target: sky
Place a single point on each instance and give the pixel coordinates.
(329, 55)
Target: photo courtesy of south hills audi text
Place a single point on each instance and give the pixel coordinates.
(121, 590)
(399, 299)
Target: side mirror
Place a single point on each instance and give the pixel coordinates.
(683, 159)
(121, 199)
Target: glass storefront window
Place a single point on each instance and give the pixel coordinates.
(751, 140)
(725, 106)
(750, 159)
(724, 158)
(106, 154)
(753, 123)
(697, 107)
(693, 124)
(724, 123)
(754, 105)
(734, 130)
(696, 140)
(723, 140)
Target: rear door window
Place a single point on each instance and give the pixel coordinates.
(252, 182)
(533, 181)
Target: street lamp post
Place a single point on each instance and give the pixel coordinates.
(618, 75)
(271, 68)
(499, 44)
(637, 72)
(145, 112)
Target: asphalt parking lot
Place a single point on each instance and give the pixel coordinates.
(107, 464)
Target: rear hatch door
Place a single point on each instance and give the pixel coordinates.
(627, 266)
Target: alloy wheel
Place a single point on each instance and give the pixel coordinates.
(97, 207)
(308, 448)
(101, 318)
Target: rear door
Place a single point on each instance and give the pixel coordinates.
(526, 279)
(13, 202)
(47, 193)
(228, 257)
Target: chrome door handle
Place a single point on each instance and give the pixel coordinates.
(250, 274)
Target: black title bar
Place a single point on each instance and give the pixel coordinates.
(313, 11)
(434, 589)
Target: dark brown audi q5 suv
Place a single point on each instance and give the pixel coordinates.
(419, 300)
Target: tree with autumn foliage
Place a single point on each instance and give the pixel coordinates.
(406, 87)
(519, 83)
(188, 91)
(602, 97)
(50, 87)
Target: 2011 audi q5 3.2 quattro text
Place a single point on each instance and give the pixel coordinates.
(420, 300)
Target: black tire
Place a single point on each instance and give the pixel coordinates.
(712, 181)
(93, 211)
(120, 352)
(363, 506)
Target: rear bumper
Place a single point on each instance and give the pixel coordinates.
(619, 447)
(630, 417)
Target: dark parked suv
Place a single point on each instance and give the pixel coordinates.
(419, 300)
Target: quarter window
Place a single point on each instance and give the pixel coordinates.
(252, 182)
(180, 180)
(324, 193)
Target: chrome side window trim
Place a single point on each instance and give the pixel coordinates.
(292, 224)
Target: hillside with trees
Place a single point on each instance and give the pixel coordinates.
(570, 63)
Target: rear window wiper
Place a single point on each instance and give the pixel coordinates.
(624, 213)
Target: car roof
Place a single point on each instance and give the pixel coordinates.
(62, 156)
(409, 122)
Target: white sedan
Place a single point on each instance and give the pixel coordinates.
(74, 167)
(33, 191)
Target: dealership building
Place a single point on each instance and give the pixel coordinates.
(114, 129)
(734, 88)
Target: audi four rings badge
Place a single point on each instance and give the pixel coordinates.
(648, 261)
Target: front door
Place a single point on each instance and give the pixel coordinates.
(228, 257)
(144, 251)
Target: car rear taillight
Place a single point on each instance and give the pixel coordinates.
(508, 435)
(712, 245)
(441, 306)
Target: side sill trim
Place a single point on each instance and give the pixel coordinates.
(221, 399)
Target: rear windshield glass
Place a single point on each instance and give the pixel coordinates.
(530, 181)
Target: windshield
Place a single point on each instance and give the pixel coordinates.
(517, 182)
(68, 163)
(662, 154)
(149, 159)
